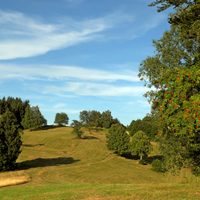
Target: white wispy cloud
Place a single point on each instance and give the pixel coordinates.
(49, 72)
(96, 89)
(22, 36)
(60, 105)
(66, 110)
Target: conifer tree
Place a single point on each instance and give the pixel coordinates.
(10, 141)
(33, 118)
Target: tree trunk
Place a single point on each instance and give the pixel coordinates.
(140, 157)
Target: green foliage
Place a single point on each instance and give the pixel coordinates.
(77, 128)
(140, 145)
(106, 119)
(142, 162)
(61, 119)
(33, 118)
(10, 141)
(16, 106)
(117, 139)
(179, 116)
(148, 125)
(90, 119)
(176, 77)
(95, 119)
(158, 166)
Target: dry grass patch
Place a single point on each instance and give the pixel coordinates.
(14, 178)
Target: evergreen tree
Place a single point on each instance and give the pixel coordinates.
(16, 106)
(10, 141)
(33, 118)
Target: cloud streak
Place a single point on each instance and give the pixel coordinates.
(22, 36)
(49, 72)
(96, 89)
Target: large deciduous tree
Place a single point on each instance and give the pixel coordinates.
(140, 145)
(117, 139)
(61, 119)
(174, 75)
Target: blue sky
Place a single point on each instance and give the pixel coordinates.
(74, 55)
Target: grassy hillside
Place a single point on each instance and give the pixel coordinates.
(63, 167)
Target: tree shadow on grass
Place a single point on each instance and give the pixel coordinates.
(90, 138)
(32, 145)
(47, 127)
(150, 159)
(129, 156)
(45, 162)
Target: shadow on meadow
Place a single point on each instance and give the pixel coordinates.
(45, 162)
(150, 159)
(90, 138)
(48, 127)
(32, 145)
(129, 156)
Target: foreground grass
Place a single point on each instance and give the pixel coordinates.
(102, 191)
(62, 167)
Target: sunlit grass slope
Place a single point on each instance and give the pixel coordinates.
(63, 167)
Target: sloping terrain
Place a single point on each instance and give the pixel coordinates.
(62, 166)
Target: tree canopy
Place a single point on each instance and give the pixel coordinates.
(174, 76)
(61, 119)
(117, 139)
(140, 145)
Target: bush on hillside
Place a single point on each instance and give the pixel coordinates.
(77, 128)
(158, 166)
(117, 139)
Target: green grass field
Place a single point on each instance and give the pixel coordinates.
(63, 167)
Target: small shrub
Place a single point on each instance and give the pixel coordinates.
(158, 166)
(142, 162)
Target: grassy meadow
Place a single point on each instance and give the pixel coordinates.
(55, 165)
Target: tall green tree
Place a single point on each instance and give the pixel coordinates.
(106, 119)
(176, 78)
(85, 117)
(16, 106)
(117, 139)
(61, 119)
(33, 118)
(140, 145)
(10, 141)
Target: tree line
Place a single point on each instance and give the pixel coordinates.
(91, 119)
